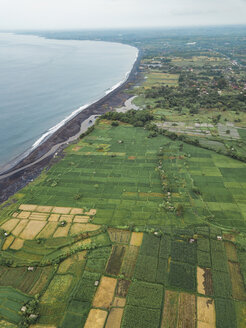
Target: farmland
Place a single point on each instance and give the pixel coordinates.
(142, 221)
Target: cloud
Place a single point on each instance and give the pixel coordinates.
(51, 14)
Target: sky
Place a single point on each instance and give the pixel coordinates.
(79, 14)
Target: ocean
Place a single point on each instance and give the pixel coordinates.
(44, 83)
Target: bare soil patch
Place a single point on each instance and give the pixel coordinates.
(105, 293)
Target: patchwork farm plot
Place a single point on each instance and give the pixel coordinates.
(128, 231)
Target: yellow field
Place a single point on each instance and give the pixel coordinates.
(48, 230)
(200, 281)
(17, 244)
(10, 225)
(18, 229)
(136, 239)
(7, 242)
(205, 313)
(105, 293)
(96, 319)
(32, 229)
(114, 318)
(62, 231)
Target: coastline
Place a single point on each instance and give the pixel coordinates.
(28, 168)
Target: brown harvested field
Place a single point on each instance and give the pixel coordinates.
(42, 281)
(44, 209)
(79, 227)
(48, 230)
(42, 326)
(27, 207)
(7, 242)
(229, 236)
(54, 217)
(136, 239)
(62, 231)
(115, 260)
(170, 313)
(205, 313)
(14, 215)
(96, 319)
(187, 311)
(238, 290)
(10, 224)
(114, 318)
(105, 293)
(81, 219)
(119, 302)
(61, 210)
(204, 281)
(17, 244)
(119, 236)
(75, 211)
(38, 216)
(66, 217)
(231, 251)
(129, 261)
(91, 212)
(24, 215)
(76, 148)
(122, 287)
(32, 229)
(20, 226)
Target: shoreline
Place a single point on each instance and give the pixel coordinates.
(28, 168)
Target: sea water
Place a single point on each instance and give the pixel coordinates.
(43, 83)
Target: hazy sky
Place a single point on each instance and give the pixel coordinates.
(58, 14)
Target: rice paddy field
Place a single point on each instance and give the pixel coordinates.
(127, 231)
(132, 228)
